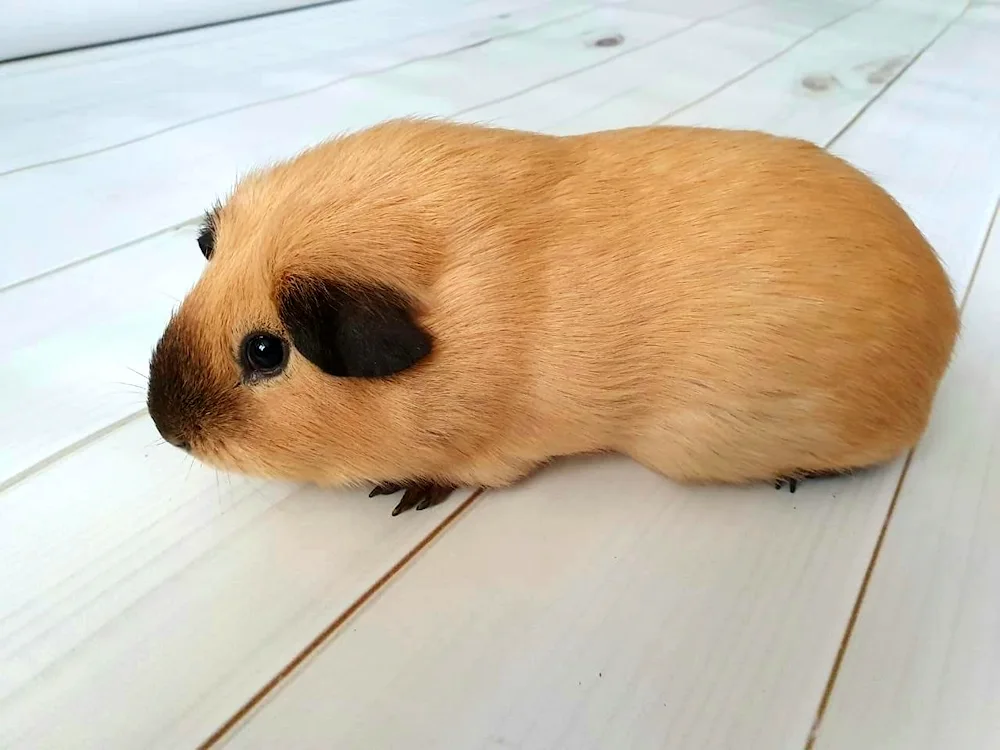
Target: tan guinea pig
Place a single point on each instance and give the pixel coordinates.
(425, 305)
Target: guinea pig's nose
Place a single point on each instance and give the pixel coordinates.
(174, 439)
(169, 433)
(178, 442)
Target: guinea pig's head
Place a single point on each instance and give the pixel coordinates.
(291, 355)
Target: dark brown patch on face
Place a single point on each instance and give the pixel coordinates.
(612, 40)
(185, 398)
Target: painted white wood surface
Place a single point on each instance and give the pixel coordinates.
(141, 602)
(598, 606)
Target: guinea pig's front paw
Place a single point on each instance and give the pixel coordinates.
(418, 495)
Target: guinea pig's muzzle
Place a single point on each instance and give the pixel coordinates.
(184, 399)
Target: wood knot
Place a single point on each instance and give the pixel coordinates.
(612, 40)
(884, 71)
(818, 82)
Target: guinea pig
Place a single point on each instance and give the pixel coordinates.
(425, 305)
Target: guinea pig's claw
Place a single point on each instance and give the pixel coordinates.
(415, 496)
(434, 496)
(792, 482)
(422, 496)
(388, 488)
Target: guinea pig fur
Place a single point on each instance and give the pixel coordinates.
(424, 305)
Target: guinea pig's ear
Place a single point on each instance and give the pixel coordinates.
(206, 235)
(351, 330)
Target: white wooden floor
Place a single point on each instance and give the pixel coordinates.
(146, 602)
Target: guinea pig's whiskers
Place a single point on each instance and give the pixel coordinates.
(133, 386)
(142, 375)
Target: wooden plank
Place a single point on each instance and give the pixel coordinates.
(143, 597)
(600, 606)
(99, 101)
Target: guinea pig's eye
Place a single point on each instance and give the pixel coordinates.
(264, 354)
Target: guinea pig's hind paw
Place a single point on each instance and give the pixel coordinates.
(793, 480)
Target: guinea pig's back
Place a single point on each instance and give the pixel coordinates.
(746, 305)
